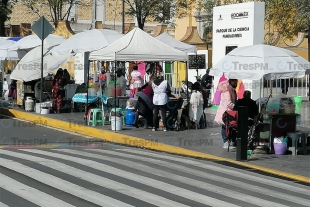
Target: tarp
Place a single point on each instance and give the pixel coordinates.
(87, 41)
(176, 44)
(138, 45)
(29, 68)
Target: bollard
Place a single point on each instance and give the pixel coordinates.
(242, 136)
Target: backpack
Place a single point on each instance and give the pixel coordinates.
(230, 119)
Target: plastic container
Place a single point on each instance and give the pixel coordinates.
(130, 117)
(280, 148)
(29, 104)
(298, 99)
(92, 92)
(111, 92)
(116, 123)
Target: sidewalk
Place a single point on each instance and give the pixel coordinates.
(203, 143)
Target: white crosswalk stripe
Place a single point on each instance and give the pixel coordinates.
(30, 193)
(136, 178)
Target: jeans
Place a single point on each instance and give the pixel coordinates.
(225, 138)
(162, 108)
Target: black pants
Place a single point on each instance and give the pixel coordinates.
(162, 108)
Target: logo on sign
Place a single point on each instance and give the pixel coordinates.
(220, 18)
(240, 15)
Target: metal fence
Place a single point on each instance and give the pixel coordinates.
(296, 87)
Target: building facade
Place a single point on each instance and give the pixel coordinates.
(82, 17)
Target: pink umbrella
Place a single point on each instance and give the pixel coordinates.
(217, 95)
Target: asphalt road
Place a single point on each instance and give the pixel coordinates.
(88, 173)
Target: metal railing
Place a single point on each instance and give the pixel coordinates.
(296, 87)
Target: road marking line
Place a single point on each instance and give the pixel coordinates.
(63, 185)
(137, 178)
(31, 194)
(98, 180)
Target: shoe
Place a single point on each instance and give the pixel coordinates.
(225, 145)
(154, 129)
(165, 129)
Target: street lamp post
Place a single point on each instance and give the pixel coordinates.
(123, 16)
(308, 36)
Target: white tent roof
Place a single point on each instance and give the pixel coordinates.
(10, 55)
(32, 41)
(137, 45)
(29, 68)
(4, 42)
(176, 44)
(87, 41)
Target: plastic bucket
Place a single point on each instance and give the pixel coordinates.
(92, 92)
(280, 148)
(118, 125)
(298, 99)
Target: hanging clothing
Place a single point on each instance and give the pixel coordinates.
(136, 82)
(196, 106)
(217, 95)
(240, 89)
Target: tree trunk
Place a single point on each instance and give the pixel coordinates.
(3, 18)
(140, 22)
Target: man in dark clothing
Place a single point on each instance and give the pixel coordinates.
(284, 85)
(251, 104)
(206, 81)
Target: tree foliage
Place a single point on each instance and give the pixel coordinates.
(287, 17)
(163, 11)
(58, 9)
(5, 11)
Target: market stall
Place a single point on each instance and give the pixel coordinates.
(269, 62)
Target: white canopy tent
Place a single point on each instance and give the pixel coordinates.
(88, 41)
(32, 41)
(257, 61)
(11, 55)
(29, 68)
(176, 44)
(138, 45)
(4, 42)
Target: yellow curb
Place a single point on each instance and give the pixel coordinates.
(137, 142)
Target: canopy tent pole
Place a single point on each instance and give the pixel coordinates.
(115, 91)
(187, 94)
(87, 85)
(260, 95)
(41, 85)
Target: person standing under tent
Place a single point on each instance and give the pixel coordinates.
(228, 101)
(59, 83)
(136, 81)
(102, 76)
(196, 103)
(160, 92)
(121, 80)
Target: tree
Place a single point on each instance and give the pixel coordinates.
(5, 11)
(59, 9)
(163, 11)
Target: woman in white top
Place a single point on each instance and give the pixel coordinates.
(121, 80)
(196, 104)
(136, 81)
(160, 92)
